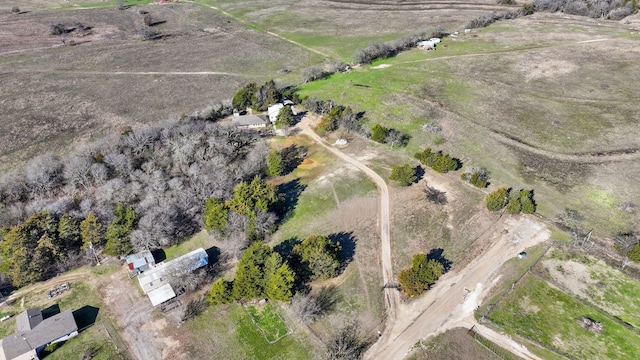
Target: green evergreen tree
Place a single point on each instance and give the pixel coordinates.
(423, 273)
(119, 231)
(215, 215)
(275, 164)
(91, 231)
(317, 257)
(69, 232)
(221, 292)
(514, 206)
(379, 133)
(245, 97)
(404, 175)
(497, 199)
(250, 281)
(285, 117)
(280, 283)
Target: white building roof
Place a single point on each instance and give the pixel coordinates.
(161, 294)
(155, 280)
(274, 111)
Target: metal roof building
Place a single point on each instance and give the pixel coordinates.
(155, 282)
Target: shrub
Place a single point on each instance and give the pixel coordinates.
(404, 175)
(313, 73)
(379, 133)
(527, 9)
(57, 29)
(147, 19)
(497, 199)
(438, 161)
(149, 34)
(634, 253)
(15, 9)
(420, 276)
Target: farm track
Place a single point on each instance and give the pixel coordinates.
(80, 72)
(391, 295)
(265, 31)
(413, 6)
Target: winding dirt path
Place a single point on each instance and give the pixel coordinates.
(391, 296)
(452, 301)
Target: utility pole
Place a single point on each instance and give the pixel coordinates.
(94, 253)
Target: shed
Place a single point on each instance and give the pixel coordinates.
(140, 262)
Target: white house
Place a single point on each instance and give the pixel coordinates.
(274, 111)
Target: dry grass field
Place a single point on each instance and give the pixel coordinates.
(55, 97)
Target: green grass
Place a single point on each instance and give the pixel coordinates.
(227, 332)
(199, 240)
(511, 271)
(612, 291)
(546, 315)
(96, 338)
(268, 322)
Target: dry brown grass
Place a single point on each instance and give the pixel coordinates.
(454, 344)
(55, 96)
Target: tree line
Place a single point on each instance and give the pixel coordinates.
(154, 181)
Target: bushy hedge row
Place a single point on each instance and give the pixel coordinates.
(438, 161)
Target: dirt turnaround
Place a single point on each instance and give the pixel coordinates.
(452, 301)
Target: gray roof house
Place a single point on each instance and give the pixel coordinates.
(35, 333)
(249, 121)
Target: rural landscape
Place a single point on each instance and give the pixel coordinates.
(319, 179)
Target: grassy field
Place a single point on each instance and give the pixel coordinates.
(593, 281)
(226, 332)
(548, 316)
(534, 110)
(330, 27)
(270, 324)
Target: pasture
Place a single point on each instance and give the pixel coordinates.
(58, 97)
(539, 110)
(540, 312)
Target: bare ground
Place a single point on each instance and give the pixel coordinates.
(143, 332)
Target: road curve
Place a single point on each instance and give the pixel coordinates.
(391, 296)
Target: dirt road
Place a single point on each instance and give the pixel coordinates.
(391, 296)
(453, 300)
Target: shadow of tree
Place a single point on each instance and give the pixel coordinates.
(299, 115)
(419, 171)
(285, 247)
(438, 255)
(290, 193)
(159, 255)
(292, 156)
(85, 316)
(348, 243)
(435, 196)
